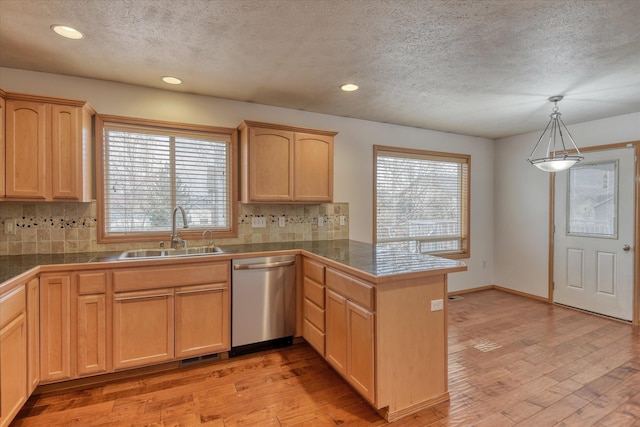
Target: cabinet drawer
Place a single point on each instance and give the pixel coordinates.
(351, 288)
(169, 276)
(313, 336)
(13, 305)
(313, 270)
(91, 283)
(314, 314)
(314, 292)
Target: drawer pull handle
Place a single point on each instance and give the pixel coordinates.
(142, 297)
(199, 291)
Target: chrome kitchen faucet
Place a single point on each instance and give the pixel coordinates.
(175, 239)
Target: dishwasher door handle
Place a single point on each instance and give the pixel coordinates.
(263, 265)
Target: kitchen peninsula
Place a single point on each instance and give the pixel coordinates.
(376, 313)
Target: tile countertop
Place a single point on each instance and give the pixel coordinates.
(376, 260)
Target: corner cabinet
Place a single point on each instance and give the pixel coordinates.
(47, 149)
(285, 164)
(14, 387)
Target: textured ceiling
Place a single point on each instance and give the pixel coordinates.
(472, 67)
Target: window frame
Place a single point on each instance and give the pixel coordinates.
(159, 126)
(465, 202)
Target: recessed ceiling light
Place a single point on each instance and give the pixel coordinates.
(68, 32)
(349, 87)
(172, 80)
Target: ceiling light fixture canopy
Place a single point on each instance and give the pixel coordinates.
(558, 156)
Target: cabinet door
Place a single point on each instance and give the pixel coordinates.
(336, 331)
(360, 350)
(33, 334)
(2, 149)
(313, 168)
(26, 144)
(143, 328)
(270, 165)
(13, 354)
(66, 152)
(55, 327)
(91, 321)
(92, 334)
(202, 320)
(13, 368)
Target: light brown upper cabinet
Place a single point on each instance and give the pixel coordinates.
(2, 127)
(47, 149)
(285, 164)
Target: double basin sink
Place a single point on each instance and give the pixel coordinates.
(170, 253)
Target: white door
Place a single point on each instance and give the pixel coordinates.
(593, 254)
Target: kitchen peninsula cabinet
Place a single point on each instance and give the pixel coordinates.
(380, 334)
(285, 164)
(350, 331)
(13, 354)
(47, 149)
(313, 327)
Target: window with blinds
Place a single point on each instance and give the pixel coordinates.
(422, 200)
(148, 170)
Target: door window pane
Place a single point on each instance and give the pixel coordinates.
(593, 204)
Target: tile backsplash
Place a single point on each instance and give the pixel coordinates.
(41, 228)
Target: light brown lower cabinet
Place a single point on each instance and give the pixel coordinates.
(13, 354)
(91, 330)
(143, 327)
(33, 334)
(202, 320)
(55, 327)
(91, 322)
(350, 342)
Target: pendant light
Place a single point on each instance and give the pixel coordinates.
(557, 156)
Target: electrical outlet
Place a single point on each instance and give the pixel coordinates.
(258, 222)
(343, 219)
(437, 305)
(320, 221)
(282, 221)
(9, 226)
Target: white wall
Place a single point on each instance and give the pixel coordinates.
(522, 195)
(353, 147)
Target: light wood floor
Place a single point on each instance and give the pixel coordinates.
(512, 361)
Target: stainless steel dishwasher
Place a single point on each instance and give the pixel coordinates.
(263, 303)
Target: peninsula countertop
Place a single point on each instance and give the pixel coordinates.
(377, 261)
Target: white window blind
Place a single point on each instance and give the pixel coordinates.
(147, 172)
(422, 200)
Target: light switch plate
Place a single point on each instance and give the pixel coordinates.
(320, 221)
(282, 221)
(9, 226)
(343, 219)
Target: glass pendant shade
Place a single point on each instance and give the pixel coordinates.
(558, 155)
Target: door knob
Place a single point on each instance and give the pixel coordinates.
(626, 248)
